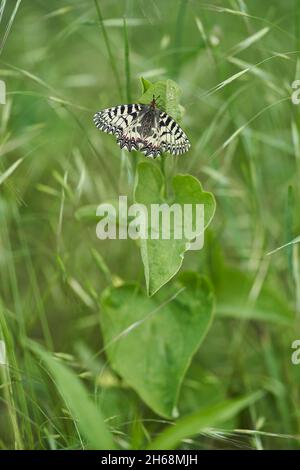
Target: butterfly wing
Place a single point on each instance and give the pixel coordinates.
(133, 137)
(172, 138)
(129, 123)
(164, 135)
(125, 122)
(118, 119)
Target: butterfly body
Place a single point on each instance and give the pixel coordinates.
(143, 127)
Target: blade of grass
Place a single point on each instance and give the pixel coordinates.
(296, 277)
(102, 265)
(86, 415)
(275, 371)
(108, 48)
(7, 382)
(33, 280)
(10, 23)
(10, 170)
(249, 41)
(2, 6)
(289, 226)
(12, 278)
(127, 61)
(292, 242)
(179, 28)
(191, 425)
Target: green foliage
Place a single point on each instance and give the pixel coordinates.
(198, 422)
(163, 258)
(86, 416)
(231, 64)
(234, 299)
(146, 84)
(159, 336)
(167, 93)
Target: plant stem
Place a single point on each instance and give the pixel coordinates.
(108, 48)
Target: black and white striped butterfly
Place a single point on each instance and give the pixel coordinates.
(143, 127)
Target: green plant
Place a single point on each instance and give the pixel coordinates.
(82, 319)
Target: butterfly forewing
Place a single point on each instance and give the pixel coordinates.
(118, 119)
(144, 128)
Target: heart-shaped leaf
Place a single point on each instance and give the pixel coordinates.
(162, 258)
(167, 94)
(150, 341)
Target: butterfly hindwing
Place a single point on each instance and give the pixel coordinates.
(144, 128)
(172, 138)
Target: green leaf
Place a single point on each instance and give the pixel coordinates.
(85, 413)
(232, 294)
(200, 388)
(233, 287)
(193, 424)
(162, 258)
(87, 213)
(145, 84)
(168, 93)
(150, 341)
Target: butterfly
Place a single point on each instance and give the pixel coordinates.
(143, 127)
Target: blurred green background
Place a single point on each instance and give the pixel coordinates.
(235, 62)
